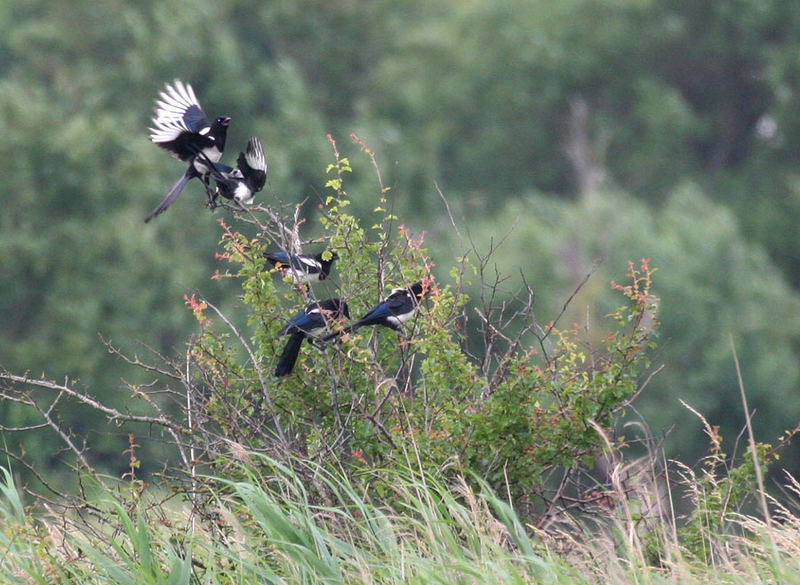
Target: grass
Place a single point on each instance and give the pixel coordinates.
(264, 529)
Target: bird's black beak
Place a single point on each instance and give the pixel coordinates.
(224, 120)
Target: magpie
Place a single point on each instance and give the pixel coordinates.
(242, 183)
(303, 268)
(391, 312)
(181, 127)
(308, 323)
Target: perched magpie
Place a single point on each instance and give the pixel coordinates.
(302, 267)
(181, 127)
(242, 183)
(391, 312)
(308, 323)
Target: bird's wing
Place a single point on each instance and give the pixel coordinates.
(399, 301)
(294, 323)
(277, 258)
(253, 165)
(376, 314)
(177, 111)
(179, 103)
(306, 263)
(306, 321)
(253, 159)
(391, 310)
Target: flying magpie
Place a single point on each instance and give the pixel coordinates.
(242, 183)
(181, 127)
(302, 267)
(391, 312)
(308, 323)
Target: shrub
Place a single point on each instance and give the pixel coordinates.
(376, 396)
(533, 401)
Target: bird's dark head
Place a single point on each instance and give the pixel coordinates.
(325, 265)
(340, 308)
(417, 289)
(332, 309)
(326, 258)
(223, 121)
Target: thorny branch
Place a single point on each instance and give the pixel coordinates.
(113, 414)
(259, 371)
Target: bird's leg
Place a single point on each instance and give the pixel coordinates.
(316, 342)
(206, 178)
(211, 193)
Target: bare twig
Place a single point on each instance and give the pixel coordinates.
(259, 371)
(112, 413)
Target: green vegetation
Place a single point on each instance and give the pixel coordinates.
(515, 156)
(512, 414)
(264, 528)
(665, 128)
(383, 457)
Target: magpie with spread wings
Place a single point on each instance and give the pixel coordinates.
(181, 127)
(242, 183)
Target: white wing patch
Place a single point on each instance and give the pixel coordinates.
(312, 264)
(170, 109)
(255, 155)
(310, 273)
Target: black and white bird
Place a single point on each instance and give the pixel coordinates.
(242, 183)
(308, 323)
(397, 308)
(303, 268)
(181, 127)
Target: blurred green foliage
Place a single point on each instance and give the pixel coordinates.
(611, 129)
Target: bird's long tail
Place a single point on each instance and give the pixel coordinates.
(172, 195)
(289, 356)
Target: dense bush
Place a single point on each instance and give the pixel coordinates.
(539, 398)
(492, 101)
(377, 423)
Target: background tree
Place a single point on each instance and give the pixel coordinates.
(689, 120)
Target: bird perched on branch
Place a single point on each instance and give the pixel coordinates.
(391, 312)
(308, 323)
(242, 183)
(181, 127)
(302, 267)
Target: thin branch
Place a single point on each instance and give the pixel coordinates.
(259, 372)
(112, 413)
(79, 452)
(135, 361)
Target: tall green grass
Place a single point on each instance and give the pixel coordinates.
(266, 529)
